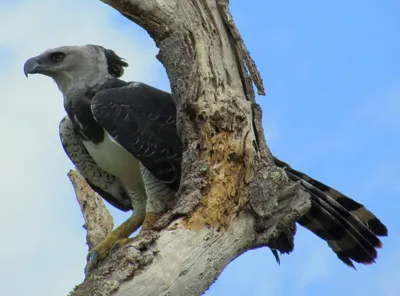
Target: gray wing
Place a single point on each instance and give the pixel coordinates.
(142, 119)
(107, 186)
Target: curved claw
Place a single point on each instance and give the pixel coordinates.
(119, 244)
(101, 251)
(105, 249)
(93, 257)
(114, 248)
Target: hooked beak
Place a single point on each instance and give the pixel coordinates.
(32, 66)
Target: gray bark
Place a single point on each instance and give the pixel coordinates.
(232, 198)
(98, 220)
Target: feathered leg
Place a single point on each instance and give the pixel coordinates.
(160, 198)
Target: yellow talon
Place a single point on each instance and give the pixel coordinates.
(119, 236)
(149, 221)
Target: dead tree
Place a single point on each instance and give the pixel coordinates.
(232, 197)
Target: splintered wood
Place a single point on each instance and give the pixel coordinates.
(98, 220)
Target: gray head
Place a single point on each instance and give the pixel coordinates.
(77, 66)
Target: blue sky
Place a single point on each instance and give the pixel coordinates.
(332, 110)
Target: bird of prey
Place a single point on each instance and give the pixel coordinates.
(122, 137)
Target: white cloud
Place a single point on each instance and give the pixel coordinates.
(42, 241)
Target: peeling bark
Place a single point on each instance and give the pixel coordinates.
(232, 198)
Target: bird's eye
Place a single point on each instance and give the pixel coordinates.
(57, 57)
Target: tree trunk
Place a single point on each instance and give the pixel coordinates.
(232, 198)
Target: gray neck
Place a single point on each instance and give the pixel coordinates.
(76, 89)
(70, 82)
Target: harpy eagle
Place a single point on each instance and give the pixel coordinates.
(122, 137)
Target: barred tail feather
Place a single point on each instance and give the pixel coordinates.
(346, 225)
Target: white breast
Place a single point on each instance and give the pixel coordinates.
(115, 160)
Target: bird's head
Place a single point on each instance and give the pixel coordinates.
(77, 66)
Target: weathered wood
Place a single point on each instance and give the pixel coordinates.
(232, 198)
(98, 220)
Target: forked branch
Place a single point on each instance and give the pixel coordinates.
(232, 198)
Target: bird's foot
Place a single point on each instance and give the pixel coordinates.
(101, 251)
(121, 233)
(113, 241)
(117, 238)
(119, 244)
(149, 221)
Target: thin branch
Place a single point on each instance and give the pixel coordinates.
(242, 49)
(232, 197)
(98, 220)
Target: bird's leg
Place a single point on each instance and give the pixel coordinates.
(160, 198)
(157, 204)
(118, 237)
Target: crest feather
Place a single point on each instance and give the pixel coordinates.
(115, 63)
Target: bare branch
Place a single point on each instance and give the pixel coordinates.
(232, 198)
(98, 220)
(244, 54)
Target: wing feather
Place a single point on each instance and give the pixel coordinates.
(107, 186)
(347, 226)
(142, 120)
